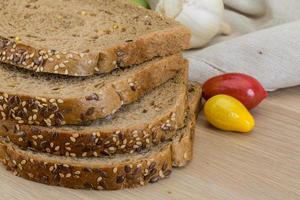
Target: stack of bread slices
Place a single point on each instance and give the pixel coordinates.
(94, 94)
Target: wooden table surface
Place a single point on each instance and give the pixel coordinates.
(264, 165)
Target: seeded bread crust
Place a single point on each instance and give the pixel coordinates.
(168, 38)
(138, 170)
(99, 141)
(58, 171)
(182, 149)
(106, 98)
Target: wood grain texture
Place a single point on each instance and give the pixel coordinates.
(264, 165)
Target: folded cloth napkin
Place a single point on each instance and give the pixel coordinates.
(265, 47)
(270, 55)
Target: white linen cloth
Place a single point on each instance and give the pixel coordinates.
(266, 47)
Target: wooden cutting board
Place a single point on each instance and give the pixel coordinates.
(264, 165)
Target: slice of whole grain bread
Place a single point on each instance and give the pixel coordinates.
(84, 37)
(118, 172)
(52, 100)
(140, 125)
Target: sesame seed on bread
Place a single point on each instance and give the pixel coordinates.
(118, 172)
(84, 37)
(140, 125)
(54, 100)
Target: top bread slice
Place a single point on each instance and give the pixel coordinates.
(118, 172)
(84, 37)
(53, 100)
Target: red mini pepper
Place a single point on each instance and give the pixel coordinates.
(240, 86)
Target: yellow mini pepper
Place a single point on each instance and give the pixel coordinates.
(228, 114)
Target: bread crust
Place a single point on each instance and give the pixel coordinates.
(68, 172)
(72, 174)
(46, 111)
(182, 149)
(156, 44)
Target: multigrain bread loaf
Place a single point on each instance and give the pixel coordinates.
(84, 37)
(121, 171)
(48, 100)
(140, 125)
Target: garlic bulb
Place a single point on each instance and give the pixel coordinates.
(203, 17)
(170, 8)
